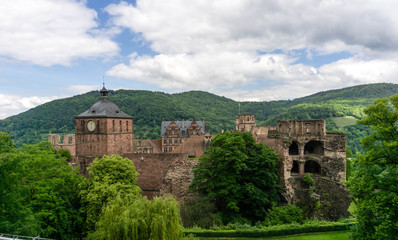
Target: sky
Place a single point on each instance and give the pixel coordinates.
(246, 50)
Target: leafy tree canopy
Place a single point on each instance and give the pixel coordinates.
(239, 175)
(38, 192)
(110, 176)
(374, 181)
(139, 219)
(6, 143)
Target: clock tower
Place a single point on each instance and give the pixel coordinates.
(102, 130)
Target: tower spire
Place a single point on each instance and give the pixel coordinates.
(104, 91)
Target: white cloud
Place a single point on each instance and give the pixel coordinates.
(46, 32)
(13, 104)
(226, 46)
(177, 26)
(340, 74)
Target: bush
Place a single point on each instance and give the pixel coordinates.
(200, 213)
(308, 179)
(284, 215)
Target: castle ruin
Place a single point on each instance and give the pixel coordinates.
(164, 165)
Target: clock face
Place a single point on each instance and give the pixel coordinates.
(91, 126)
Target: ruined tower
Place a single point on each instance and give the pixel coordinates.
(304, 147)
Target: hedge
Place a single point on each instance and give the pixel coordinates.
(272, 231)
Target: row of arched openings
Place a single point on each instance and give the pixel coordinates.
(311, 147)
(310, 166)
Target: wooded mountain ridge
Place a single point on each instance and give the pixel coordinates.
(339, 107)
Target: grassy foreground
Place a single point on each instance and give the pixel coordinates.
(315, 236)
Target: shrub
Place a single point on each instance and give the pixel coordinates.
(200, 213)
(308, 179)
(284, 215)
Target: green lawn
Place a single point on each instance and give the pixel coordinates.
(315, 236)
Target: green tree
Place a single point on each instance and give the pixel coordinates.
(139, 218)
(239, 176)
(374, 181)
(6, 143)
(110, 176)
(39, 193)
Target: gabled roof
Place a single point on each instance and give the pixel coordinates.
(183, 126)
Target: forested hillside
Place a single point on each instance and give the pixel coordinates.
(340, 107)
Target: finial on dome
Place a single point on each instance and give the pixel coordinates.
(104, 91)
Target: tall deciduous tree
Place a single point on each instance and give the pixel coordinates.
(374, 183)
(239, 175)
(110, 176)
(124, 219)
(38, 192)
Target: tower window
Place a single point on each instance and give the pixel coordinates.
(295, 167)
(312, 166)
(293, 149)
(313, 147)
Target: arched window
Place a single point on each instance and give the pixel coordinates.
(293, 149)
(312, 166)
(313, 147)
(295, 167)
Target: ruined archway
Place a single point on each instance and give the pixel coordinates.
(312, 166)
(313, 147)
(293, 149)
(295, 168)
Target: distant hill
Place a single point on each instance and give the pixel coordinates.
(340, 107)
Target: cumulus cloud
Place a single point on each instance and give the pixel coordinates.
(227, 46)
(178, 27)
(13, 104)
(46, 32)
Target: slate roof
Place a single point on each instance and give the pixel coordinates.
(104, 109)
(182, 127)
